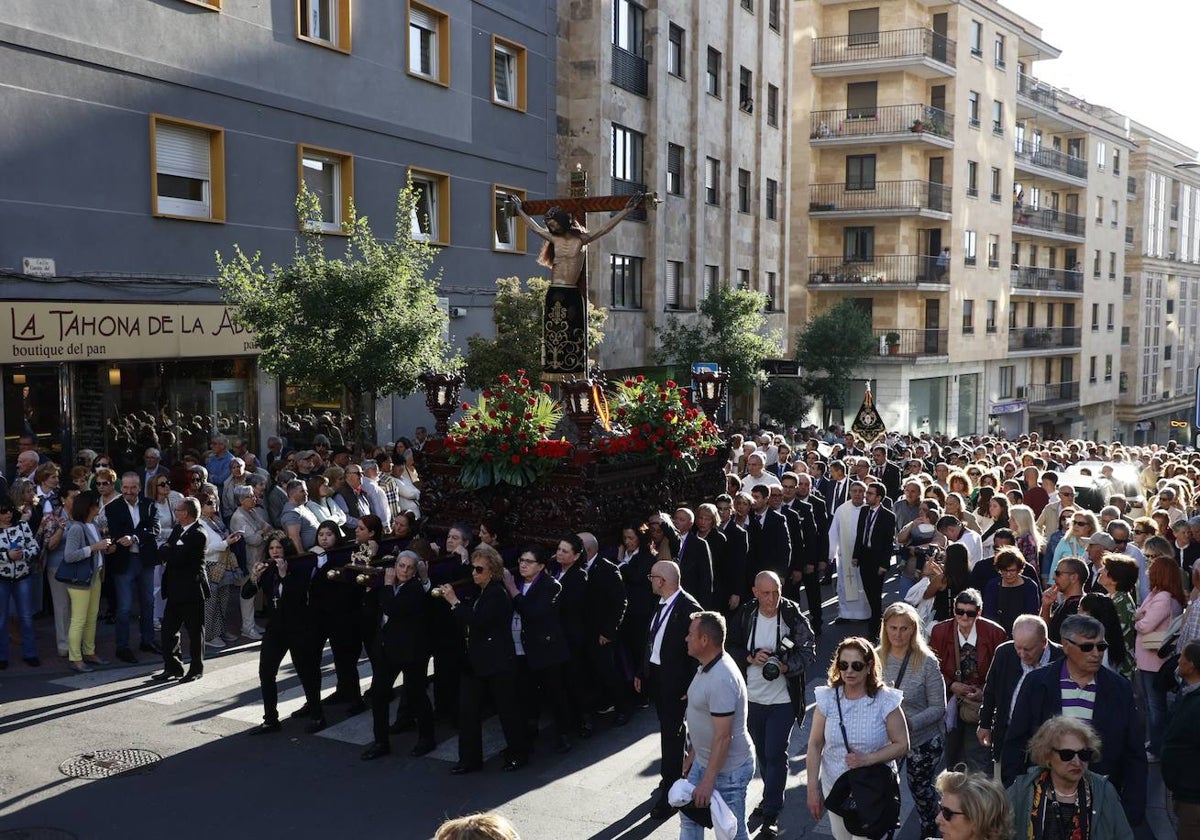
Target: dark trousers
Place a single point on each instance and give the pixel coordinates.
(672, 730)
(503, 689)
(137, 578)
(276, 643)
(633, 645)
(606, 688)
(541, 687)
(812, 591)
(771, 729)
(872, 581)
(414, 681)
(576, 678)
(190, 616)
(344, 635)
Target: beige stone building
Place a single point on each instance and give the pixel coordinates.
(687, 100)
(1160, 352)
(921, 127)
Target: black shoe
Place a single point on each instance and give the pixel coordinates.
(302, 712)
(316, 726)
(266, 728)
(423, 748)
(461, 769)
(562, 744)
(165, 676)
(356, 709)
(402, 726)
(376, 750)
(758, 810)
(514, 764)
(150, 647)
(126, 655)
(192, 676)
(33, 662)
(769, 829)
(622, 718)
(661, 811)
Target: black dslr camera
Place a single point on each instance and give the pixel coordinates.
(771, 669)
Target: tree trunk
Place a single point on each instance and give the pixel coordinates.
(361, 407)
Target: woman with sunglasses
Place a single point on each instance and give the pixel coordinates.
(1083, 524)
(1165, 603)
(1060, 797)
(973, 807)
(486, 622)
(857, 699)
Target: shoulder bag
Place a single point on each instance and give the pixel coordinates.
(866, 798)
(968, 710)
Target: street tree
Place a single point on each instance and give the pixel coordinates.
(732, 331)
(830, 348)
(517, 315)
(785, 400)
(367, 321)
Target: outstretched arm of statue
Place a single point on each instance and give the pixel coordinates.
(533, 225)
(634, 202)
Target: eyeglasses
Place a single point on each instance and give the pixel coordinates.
(478, 570)
(967, 613)
(1087, 647)
(948, 814)
(655, 577)
(1084, 755)
(528, 560)
(1156, 557)
(104, 484)
(856, 666)
(1079, 523)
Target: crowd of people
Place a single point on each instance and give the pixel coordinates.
(1041, 654)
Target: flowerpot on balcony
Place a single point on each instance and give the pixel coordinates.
(917, 127)
(893, 343)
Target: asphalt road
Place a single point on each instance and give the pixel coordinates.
(213, 780)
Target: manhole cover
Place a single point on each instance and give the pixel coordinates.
(36, 834)
(102, 764)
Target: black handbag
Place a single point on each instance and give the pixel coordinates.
(866, 798)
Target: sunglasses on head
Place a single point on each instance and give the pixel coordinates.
(855, 666)
(1084, 755)
(1088, 647)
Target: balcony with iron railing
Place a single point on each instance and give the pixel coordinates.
(921, 50)
(876, 123)
(1035, 92)
(902, 344)
(1047, 221)
(888, 198)
(1051, 393)
(630, 71)
(1053, 281)
(1043, 338)
(894, 271)
(1052, 162)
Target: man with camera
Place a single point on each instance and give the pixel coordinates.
(772, 642)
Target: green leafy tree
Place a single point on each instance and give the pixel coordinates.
(367, 321)
(517, 314)
(830, 348)
(732, 332)
(785, 400)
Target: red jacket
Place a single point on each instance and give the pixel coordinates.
(943, 639)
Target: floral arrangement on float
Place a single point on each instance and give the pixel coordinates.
(658, 421)
(502, 439)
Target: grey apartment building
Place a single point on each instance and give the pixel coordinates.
(140, 137)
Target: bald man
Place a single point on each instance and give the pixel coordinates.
(666, 670)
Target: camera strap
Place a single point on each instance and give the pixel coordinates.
(778, 631)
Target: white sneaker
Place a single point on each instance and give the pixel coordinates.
(214, 642)
(252, 633)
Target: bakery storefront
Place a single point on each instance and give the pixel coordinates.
(118, 377)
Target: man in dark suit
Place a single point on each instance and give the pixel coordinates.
(1109, 710)
(133, 527)
(737, 550)
(839, 487)
(770, 545)
(153, 467)
(796, 535)
(605, 610)
(402, 648)
(814, 521)
(572, 612)
(873, 549)
(885, 471)
(695, 560)
(1011, 663)
(667, 670)
(184, 588)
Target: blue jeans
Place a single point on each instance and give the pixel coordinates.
(139, 577)
(771, 730)
(731, 784)
(1156, 711)
(20, 591)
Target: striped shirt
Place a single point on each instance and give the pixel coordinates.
(1076, 702)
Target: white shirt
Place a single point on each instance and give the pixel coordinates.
(973, 544)
(750, 482)
(656, 645)
(136, 516)
(758, 690)
(971, 639)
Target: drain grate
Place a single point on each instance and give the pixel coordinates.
(102, 764)
(36, 834)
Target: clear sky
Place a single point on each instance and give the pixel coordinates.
(1139, 58)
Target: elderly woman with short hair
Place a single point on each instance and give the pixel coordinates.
(1060, 797)
(251, 521)
(973, 807)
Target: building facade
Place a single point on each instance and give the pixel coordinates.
(688, 101)
(142, 137)
(971, 212)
